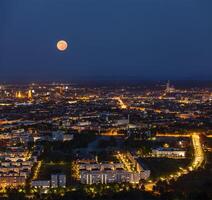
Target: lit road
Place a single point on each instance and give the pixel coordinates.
(198, 151)
(172, 135)
(37, 170)
(125, 161)
(197, 147)
(125, 106)
(196, 163)
(121, 103)
(112, 132)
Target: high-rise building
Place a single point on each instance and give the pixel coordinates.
(169, 88)
(62, 180)
(29, 94)
(54, 180)
(18, 95)
(58, 180)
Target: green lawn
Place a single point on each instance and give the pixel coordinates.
(164, 166)
(197, 181)
(53, 168)
(209, 142)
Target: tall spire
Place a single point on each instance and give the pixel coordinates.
(29, 94)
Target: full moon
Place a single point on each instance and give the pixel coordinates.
(62, 45)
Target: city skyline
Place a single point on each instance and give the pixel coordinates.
(105, 100)
(68, 141)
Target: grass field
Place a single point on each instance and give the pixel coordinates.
(197, 181)
(164, 166)
(54, 168)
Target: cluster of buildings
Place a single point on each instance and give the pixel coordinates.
(169, 152)
(17, 160)
(57, 180)
(93, 172)
(52, 136)
(40, 109)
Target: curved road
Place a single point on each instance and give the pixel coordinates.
(196, 163)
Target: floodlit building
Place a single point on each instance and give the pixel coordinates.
(61, 136)
(12, 181)
(57, 180)
(68, 137)
(109, 176)
(54, 180)
(168, 152)
(41, 183)
(104, 173)
(62, 180)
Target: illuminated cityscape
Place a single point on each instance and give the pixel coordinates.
(63, 138)
(105, 100)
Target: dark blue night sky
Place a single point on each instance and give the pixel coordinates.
(125, 39)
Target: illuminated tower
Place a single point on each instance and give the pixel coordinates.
(128, 125)
(18, 95)
(30, 94)
(62, 89)
(168, 87)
